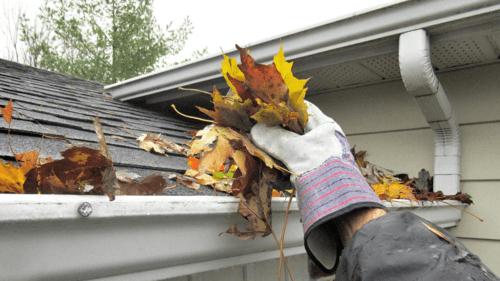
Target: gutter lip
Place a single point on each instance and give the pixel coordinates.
(34, 207)
(204, 67)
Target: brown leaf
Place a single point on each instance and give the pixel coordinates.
(80, 166)
(188, 181)
(151, 185)
(256, 208)
(109, 173)
(103, 147)
(230, 112)
(247, 173)
(359, 156)
(262, 81)
(243, 235)
(27, 160)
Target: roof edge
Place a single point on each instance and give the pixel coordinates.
(310, 40)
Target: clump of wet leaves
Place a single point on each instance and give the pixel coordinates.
(223, 155)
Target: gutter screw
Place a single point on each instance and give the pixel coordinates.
(85, 209)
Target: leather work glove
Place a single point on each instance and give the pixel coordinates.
(330, 185)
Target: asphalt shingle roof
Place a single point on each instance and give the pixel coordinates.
(59, 105)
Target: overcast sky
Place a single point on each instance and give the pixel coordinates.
(223, 23)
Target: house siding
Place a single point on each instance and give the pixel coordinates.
(384, 120)
(258, 271)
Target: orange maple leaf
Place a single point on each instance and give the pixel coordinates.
(7, 112)
(12, 178)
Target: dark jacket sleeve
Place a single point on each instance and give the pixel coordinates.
(399, 246)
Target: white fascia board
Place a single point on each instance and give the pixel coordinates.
(43, 237)
(338, 33)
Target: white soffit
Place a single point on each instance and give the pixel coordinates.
(463, 51)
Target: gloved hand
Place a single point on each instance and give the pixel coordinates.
(330, 185)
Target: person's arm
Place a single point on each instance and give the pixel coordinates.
(340, 211)
(349, 223)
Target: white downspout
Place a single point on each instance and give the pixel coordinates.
(421, 82)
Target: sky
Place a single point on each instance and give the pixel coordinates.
(223, 23)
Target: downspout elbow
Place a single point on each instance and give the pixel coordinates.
(421, 82)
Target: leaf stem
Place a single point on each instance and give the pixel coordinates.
(461, 210)
(272, 232)
(11, 148)
(192, 117)
(129, 131)
(285, 170)
(283, 233)
(196, 90)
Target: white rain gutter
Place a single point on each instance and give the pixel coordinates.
(44, 237)
(421, 82)
(350, 30)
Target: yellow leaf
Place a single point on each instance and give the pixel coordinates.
(394, 190)
(285, 69)
(11, 178)
(276, 193)
(296, 90)
(230, 67)
(299, 106)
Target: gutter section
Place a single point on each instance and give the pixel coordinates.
(421, 82)
(337, 33)
(145, 237)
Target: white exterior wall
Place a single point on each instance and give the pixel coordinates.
(385, 120)
(259, 271)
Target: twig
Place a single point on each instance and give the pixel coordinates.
(396, 200)
(196, 90)
(128, 131)
(272, 232)
(285, 170)
(440, 234)
(283, 233)
(11, 148)
(462, 210)
(192, 117)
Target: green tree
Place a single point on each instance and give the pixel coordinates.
(107, 40)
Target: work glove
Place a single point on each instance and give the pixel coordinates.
(330, 184)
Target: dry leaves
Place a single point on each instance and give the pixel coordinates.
(159, 145)
(82, 170)
(389, 186)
